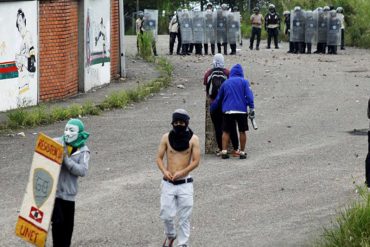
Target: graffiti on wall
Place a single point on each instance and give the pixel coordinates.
(97, 46)
(18, 53)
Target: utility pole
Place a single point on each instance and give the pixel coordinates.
(137, 6)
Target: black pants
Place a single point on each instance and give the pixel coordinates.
(342, 40)
(272, 33)
(217, 118)
(198, 49)
(173, 37)
(332, 49)
(321, 48)
(62, 222)
(219, 48)
(309, 48)
(367, 162)
(185, 49)
(233, 49)
(206, 49)
(256, 32)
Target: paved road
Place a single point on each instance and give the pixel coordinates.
(300, 168)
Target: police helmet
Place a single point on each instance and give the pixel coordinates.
(272, 8)
(256, 9)
(297, 8)
(326, 8)
(140, 14)
(224, 6)
(339, 10)
(286, 12)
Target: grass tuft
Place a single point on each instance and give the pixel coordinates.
(40, 115)
(352, 226)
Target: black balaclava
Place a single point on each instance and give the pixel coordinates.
(180, 136)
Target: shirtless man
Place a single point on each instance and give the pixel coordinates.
(182, 150)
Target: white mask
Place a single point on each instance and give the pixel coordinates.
(70, 133)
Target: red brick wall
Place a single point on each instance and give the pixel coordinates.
(114, 47)
(58, 42)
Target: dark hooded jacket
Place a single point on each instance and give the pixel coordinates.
(235, 93)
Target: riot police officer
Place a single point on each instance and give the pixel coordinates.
(272, 26)
(210, 33)
(341, 18)
(287, 29)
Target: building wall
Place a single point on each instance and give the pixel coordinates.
(115, 40)
(58, 35)
(18, 54)
(56, 30)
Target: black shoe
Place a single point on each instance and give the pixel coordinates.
(225, 156)
(251, 48)
(232, 53)
(268, 47)
(257, 48)
(243, 155)
(276, 47)
(342, 48)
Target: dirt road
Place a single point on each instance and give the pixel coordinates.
(301, 162)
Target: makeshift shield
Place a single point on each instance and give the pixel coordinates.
(38, 202)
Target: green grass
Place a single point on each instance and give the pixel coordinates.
(145, 46)
(352, 225)
(41, 115)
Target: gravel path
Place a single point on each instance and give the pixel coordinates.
(300, 170)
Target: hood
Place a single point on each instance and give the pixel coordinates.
(218, 61)
(237, 71)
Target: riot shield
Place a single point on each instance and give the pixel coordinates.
(150, 21)
(221, 31)
(210, 24)
(311, 27)
(297, 25)
(233, 27)
(186, 27)
(198, 27)
(322, 28)
(334, 29)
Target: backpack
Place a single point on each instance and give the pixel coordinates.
(214, 82)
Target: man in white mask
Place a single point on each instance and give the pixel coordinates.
(75, 164)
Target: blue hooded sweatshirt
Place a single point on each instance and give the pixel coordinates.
(235, 93)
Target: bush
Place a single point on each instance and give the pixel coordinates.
(352, 226)
(145, 45)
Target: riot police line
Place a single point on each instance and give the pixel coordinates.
(197, 29)
(321, 27)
